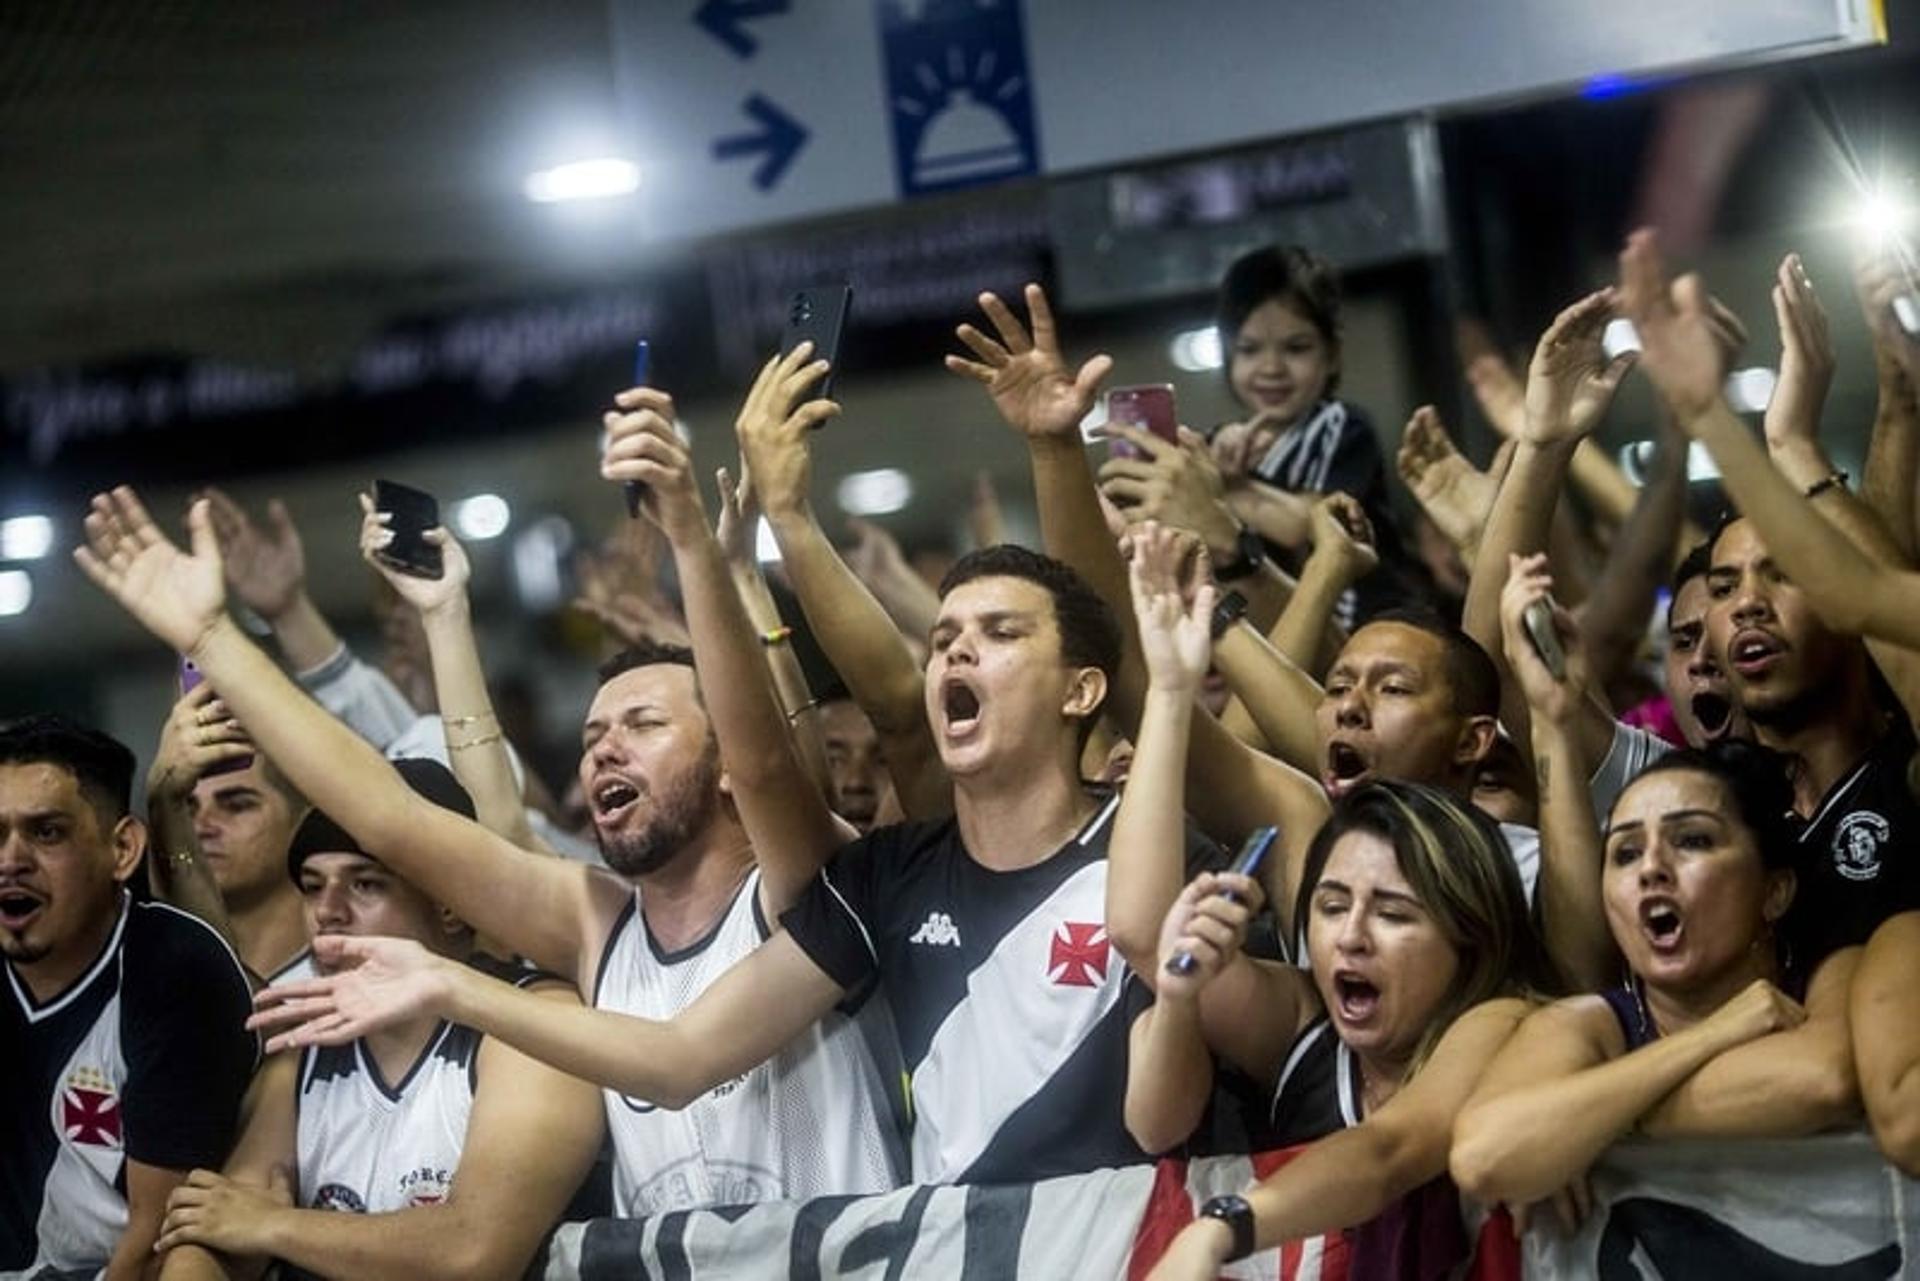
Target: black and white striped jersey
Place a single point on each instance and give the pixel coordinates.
(144, 1058)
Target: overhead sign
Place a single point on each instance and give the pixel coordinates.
(745, 112)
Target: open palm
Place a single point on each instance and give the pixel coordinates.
(175, 595)
(1025, 373)
(1173, 598)
(390, 981)
(1571, 382)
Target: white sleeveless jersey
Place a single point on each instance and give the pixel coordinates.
(811, 1121)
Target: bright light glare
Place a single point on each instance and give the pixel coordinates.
(875, 493)
(538, 554)
(1749, 391)
(25, 537)
(481, 517)
(598, 179)
(16, 592)
(1619, 336)
(1637, 457)
(1882, 217)
(1196, 350)
(765, 549)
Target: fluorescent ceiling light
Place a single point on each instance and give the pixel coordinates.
(598, 179)
(481, 517)
(1750, 391)
(16, 592)
(875, 493)
(25, 537)
(1196, 350)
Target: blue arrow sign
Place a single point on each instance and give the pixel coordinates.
(725, 21)
(778, 140)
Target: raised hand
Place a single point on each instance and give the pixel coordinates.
(643, 446)
(372, 983)
(1880, 275)
(176, 595)
(1174, 484)
(1341, 531)
(1806, 359)
(199, 734)
(1025, 374)
(1237, 447)
(1682, 342)
(773, 429)
(734, 528)
(1173, 599)
(1452, 491)
(427, 595)
(1207, 925)
(1570, 381)
(1552, 699)
(266, 567)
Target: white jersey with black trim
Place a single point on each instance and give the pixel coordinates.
(368, 1147)
(810, 1121)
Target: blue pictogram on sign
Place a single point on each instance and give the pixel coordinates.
(959, 94)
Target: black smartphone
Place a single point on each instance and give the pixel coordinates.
(1253, 852)
(190, 679)
(413, 512)
(820, 316)
(640, 361)
(1538, 620)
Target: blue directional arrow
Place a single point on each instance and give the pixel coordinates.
(778, 140)
(725, 21)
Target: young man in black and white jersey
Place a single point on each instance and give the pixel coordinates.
(126, 1052)
(423, 1149)
(700, 805)
(984, 933)
(215, 799)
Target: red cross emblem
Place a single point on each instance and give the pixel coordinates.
(1078, 957)
(91, 1117)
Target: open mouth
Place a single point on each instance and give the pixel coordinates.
(1663, 924)
(1713, 711)
(1346, 767)
(612, 798)
(17, 909)
(961, 706)
(1355, 998)
(1751, 651)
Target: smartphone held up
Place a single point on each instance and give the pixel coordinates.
(190, 680)
(1149, 407)
(411, 513)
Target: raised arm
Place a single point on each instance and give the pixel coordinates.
(1173, 599)
(1232, 788)
(475, 746)
(876, 559)
(199, 734)
(1571, 732)
(1569, 386)
(544, 908)
(1561, 1092)
(751, 1011)
(1614, 618)
(267, 570)
(854, 630)
(784, 814)
(1893, 451)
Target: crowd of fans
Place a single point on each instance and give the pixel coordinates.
(1536, 886)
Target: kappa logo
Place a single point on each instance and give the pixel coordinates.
(90, 1110)
(938, 930)
(1078, 957)
(1857, 843)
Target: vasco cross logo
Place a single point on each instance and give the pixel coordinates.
(1078, 957)
(90, 1110)
(1857, 843)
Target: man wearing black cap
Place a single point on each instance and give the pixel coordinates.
(123, 1050)
(455, 1153)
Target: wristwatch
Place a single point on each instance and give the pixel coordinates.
(1238, 1216)
(1249, 549)
(1228, 610)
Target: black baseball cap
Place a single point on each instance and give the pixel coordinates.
(318, 834)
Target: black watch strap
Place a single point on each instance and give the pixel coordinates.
(1249, 549)
(1238, 1216)
(1228, 610)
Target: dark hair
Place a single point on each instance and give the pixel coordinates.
(1463, 873)
(1089, 633)
(99, 763)
(1692, 565)
(1289, 274)
(1758, 782)
(1471, 674)
(645, 653)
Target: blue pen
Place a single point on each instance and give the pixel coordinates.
(1252, 852)
(634, 488)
